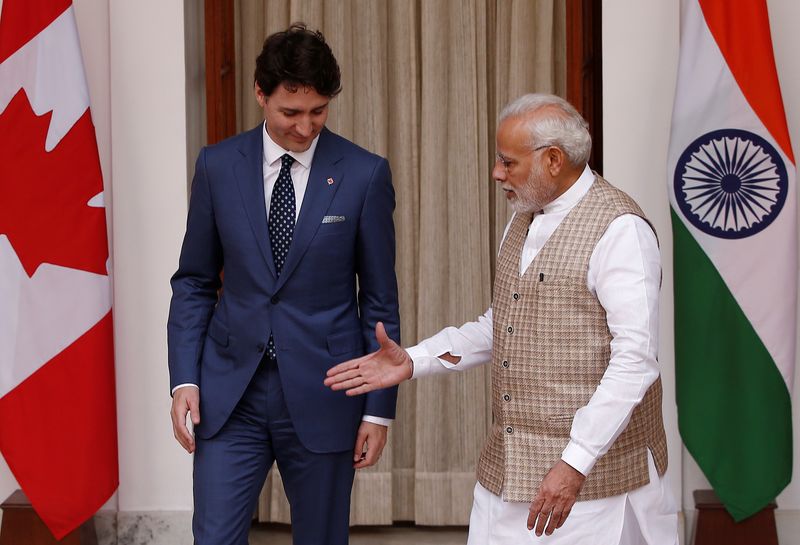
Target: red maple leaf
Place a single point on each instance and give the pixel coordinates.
(44, 195)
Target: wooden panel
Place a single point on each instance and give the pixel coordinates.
(714, 525)
(220, 69)
(585, 69)
(21, 525)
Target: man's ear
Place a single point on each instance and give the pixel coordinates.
(260, 96)
(555, 160)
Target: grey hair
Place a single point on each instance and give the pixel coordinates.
(560, 126)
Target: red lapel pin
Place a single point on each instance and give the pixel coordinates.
(330, 181)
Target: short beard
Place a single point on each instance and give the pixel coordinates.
(537, 192)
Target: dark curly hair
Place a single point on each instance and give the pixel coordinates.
(298, 57)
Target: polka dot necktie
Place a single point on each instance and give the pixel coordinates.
(281, 223)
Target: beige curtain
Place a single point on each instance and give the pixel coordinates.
(423, 81)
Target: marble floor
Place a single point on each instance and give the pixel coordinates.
(279, 534)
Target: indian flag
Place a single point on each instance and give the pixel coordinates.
(731, 180)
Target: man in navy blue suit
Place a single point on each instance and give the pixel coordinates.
(300, 219)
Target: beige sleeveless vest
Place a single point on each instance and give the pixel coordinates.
(551, 347)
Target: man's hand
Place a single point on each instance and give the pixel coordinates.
(388, 366)
(556, 497)
(370, 441)
(185, 400)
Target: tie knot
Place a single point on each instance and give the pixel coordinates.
(286, 160)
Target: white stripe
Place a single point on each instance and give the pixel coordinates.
(50, 70)
(759, 270)
(43, 315)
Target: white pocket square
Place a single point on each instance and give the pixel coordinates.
(333, 219)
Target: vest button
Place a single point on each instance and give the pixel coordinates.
(510, 329)
(509, 430)
(516, 296)
(507, 397)
(505, 364)
(274, 299)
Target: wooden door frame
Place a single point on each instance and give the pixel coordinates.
(585, 69)
(220, 69)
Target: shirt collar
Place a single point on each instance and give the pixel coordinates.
(571, 196)
(273, 152)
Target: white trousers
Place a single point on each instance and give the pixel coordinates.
(645, 516)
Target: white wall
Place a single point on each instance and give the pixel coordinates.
(148, 132)
(640, 59)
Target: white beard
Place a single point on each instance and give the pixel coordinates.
(537, 191)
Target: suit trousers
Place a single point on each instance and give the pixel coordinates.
(230, 469)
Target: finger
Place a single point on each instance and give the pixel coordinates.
(363, 389)
(345, 366)
(194, 410)
(374, 450)
(349, 384)
(373, 454)
(187, 443)
(181, 433)
(381, 336)
(564, 514)
(553, 523)
(180, 408)
(541, 519)
(361, 442)
(339, 378)
(536, 506)
(367, 459)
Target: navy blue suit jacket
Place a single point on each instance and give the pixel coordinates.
(337, 282)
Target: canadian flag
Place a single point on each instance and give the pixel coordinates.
(57, 399)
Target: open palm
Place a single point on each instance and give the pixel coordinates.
(388, 366)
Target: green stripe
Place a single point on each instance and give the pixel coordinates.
(734, 410)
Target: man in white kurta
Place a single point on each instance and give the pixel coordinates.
(624, 274)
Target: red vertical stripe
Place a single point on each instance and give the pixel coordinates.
(58, 431)
(21, 20)
(741, 30)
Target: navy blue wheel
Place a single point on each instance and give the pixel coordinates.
(730, 183)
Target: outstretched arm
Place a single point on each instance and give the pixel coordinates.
(388, 366)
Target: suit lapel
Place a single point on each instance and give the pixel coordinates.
(249, 174)
(318, 196)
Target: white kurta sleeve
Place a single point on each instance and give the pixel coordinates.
(625, 274)
(472, 342)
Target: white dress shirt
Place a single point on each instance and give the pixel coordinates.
(301, 168)
(625, 275)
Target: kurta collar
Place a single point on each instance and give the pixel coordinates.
(573, 195)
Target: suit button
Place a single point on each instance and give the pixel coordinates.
(509, 430)
(507, 397)
(261, 347)
(510, 329)
(505, 364)
(516, 296)
(274, 299)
